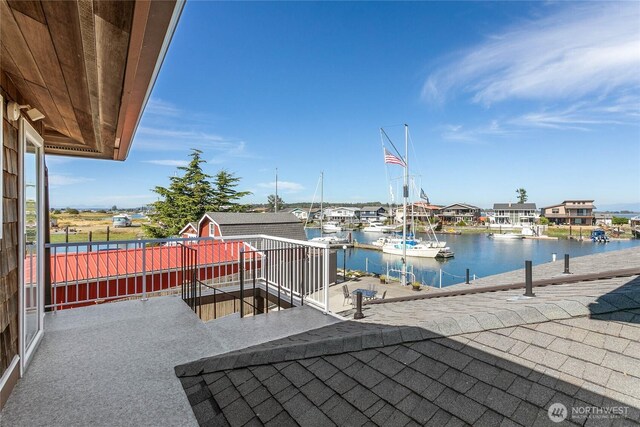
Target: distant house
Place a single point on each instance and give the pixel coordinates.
(514, 214)
(373, 213)
(301, 214)
(603, 219)
(189, 230)
(420, 211)
(458, 212)
(570, 212)
(227, 224)
(342, 214)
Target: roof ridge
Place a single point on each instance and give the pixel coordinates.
(351, 336)
(364, 336)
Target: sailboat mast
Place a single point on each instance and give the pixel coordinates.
(276, 201)
(321, 200)
(405, 191)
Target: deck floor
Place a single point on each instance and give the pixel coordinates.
(113, 364)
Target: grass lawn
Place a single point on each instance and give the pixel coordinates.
(99, 236)
(95, 222)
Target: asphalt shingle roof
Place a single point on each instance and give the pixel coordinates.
(354, 373)
(514, 206)
(281, 224)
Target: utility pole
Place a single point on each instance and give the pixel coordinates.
(276, 201)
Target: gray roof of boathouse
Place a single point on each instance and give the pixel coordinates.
(281, 224)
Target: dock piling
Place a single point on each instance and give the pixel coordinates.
(467, 279)
(566, 264)
(528, 282)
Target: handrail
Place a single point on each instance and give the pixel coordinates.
(97, 271)
(226, 293)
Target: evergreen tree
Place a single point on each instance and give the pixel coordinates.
(186, 199)
(271, 201)
(522, 195)
(225, 195)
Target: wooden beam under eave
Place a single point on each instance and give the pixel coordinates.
(64, 26)
(41, 46)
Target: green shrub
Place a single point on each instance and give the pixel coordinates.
(543, 220)
(616, 220)
(72, 211)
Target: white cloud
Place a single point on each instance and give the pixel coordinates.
(476, 134)
(159, 107)
(285, 186)
(168, 162)
(584, 115)
(62, 180)
(590, 49)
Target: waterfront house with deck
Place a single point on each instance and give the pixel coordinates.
(420, 211)
(373, 213)
(74, 80)
(459, 212)
(513, 214)
(342, 214)
(570, 212)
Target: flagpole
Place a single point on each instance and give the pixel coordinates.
(405, 191)
(276, 201)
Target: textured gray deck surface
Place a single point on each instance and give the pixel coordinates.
(471, 313)
(113, 364)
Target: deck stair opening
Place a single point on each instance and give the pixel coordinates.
(268, 279)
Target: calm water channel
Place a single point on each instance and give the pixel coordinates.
(481, 255)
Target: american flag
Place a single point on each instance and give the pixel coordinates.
(390, 158)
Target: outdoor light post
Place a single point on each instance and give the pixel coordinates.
(344, 263)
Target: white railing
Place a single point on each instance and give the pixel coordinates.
(93, 272)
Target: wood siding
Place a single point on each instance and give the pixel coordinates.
(9, 243)
(87, 66)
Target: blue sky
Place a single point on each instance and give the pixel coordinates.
(544, 96)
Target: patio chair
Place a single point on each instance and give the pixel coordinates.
(346, 294)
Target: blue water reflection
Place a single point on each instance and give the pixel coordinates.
(481, 255)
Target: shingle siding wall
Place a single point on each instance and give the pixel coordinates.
(9, 244)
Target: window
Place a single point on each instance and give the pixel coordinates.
(555, 211)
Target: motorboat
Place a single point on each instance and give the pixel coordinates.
(333, 240)
(331, 227)
(505, 236)
(378, 227)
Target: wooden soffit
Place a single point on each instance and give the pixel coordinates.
(88, 66)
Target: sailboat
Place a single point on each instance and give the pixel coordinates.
(323, 226)
(410, 247)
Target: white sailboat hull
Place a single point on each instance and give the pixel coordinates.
(420, 251)
(506, 236)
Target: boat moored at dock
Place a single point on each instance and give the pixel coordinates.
(378, 227)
